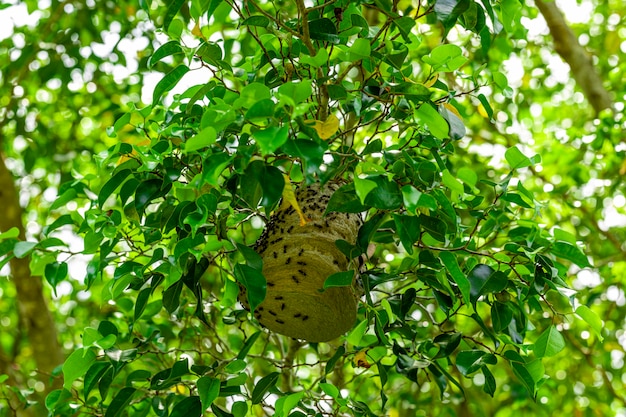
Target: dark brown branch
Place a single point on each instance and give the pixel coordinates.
(567, 46)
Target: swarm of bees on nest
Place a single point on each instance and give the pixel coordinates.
(297, 259)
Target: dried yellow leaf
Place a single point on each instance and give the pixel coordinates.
(452, 109)
(431, 81)
(327, 128)
(196, 31)
(289, 198)
(482, 111)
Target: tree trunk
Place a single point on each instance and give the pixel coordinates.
(580, 62)
(36, 321)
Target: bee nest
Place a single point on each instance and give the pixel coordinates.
(296, 262)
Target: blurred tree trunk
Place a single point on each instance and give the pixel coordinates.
(567, 46)
(36, 322)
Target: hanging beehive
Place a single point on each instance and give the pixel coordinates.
(297, 259)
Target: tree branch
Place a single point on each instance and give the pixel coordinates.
(567, 46)
(322, 111)
(34, 314)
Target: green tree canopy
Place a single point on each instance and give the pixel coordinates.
(473, 151)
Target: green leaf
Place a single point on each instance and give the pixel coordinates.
(435, 123)
(501, 316)
(106, 328)
(359, 21)
(360, 49)
(146, 192)
(250, 94)
(396, 53)
(261, 110)
(243, 352)
(562, 235)
(510, 14)
(450, 262)
(67, 196)
(470, 361)
(188, 407)
(447, 343)
(255, 284)
(447, 11)
(484, 280)
(140, 375)
(330, 390)
(356, 334)
(239, 409)
(571, 253)
(323, 29)
(386, 195)
(142, 301)
(517, 199)
(165, 50)
(120, 401)
(339, 279)
(490, 381)
(483, 100)
(404, 24)
(414, 199)
(345, 200)
(172, 9)
(93, 375)
(119, 124)
(468, 176)
(23, 249)
(61, 221)
(236, 366)
(15, 232)
(268, 178)
(330, 365)
(253, 259)
(256, 20)
(168, 82)
(451, 182)
(363, 187)
(203, 139)
(209, 51)
(517, 159)
(408, 230)
(112, 184)
(171, 296)
(549, 343)
(209, 390)
(218, 411)
(219, 117)
(76, 365)
(592, 319)
(287, 403)
(213, 166)
(55, 272)
(434, 226)
(447, 57)
(263, 386)
(298, 92)
(320, 58)
(520, 371)
(271, 138)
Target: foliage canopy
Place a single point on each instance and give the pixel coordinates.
(468, 260)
